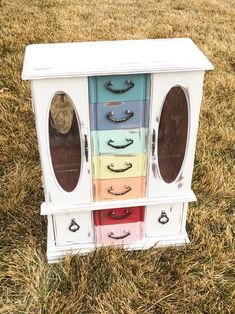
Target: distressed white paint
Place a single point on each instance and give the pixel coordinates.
(55, 253)
(48, 208)
(174, 212)
(64, 236)
(113, 57)
(191, 82)
(42, 93)
(66, 67)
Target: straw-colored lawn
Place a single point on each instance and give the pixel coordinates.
(199, 278)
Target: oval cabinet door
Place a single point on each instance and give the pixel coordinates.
(172, 134)
(62, 108)
(173, 123)
(64, 142)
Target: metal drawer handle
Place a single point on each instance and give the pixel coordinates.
(111, 235)
(128, 189)
(74, 226)
(112, 215)
(110, 117)
(163, 219)
(86, 147)
(121, 146)
(109, 85)
(153, 142)
(110, 167)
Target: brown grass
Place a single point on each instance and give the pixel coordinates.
(197, 279)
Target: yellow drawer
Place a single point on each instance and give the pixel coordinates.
(124, 166)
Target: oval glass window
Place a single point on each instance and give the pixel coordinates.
(172, 134)
(64, 141)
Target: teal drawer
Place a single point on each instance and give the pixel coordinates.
(118, 142)
(119, 88)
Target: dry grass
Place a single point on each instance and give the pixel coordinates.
(197, 279)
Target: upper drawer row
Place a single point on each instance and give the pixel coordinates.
(119, 88)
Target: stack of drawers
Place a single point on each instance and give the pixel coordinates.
(119, 119)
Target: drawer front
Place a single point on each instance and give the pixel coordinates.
(123, 166)
(119, 142)
(119, 234)
(118, 88)
(119, 189)
(119, 115)
(119, 215)
(73, 228)
(163, 220)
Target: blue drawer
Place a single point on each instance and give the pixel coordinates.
(118, 142)
(119, 115)
(118, 88)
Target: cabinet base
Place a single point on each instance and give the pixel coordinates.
(175, 237)
(55, 254)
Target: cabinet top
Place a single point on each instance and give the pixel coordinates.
(112, 57)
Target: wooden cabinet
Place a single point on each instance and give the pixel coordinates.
(117, 136)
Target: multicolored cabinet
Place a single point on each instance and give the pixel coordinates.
(117, 137)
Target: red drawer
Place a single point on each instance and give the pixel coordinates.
(119, 215)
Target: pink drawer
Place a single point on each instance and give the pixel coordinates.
(119, 215)
(119, 189)
(119, 234)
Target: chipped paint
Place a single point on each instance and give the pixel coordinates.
(154, 169)
(112, 104)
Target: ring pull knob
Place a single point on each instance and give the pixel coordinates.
(109, 86)
(74, 226)
(163, 219)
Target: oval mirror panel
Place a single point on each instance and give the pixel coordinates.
(64, 141)
(172, 134)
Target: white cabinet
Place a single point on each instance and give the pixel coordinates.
(116, 125)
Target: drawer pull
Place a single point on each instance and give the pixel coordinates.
(109, 85)
(128, 189)
(110, 167)
(120, 146)
(86, 147)
(112, 215)
(163, 219)
(110, 117)
(153, 142)
(74, 226)
(111, 235)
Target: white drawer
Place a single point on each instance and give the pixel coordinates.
(164, 220)
(73, 228)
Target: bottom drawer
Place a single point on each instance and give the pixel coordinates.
(164, 220)
(73, 228)
(119, 234)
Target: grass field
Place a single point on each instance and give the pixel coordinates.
(199, 278)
